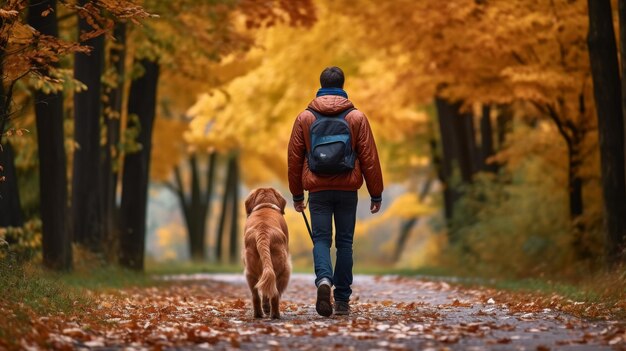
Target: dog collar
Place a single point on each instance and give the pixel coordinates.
(266, 205)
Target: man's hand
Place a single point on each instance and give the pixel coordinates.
(375, 207)
(299, 206)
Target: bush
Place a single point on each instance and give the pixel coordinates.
(24, 243)
(517, 225)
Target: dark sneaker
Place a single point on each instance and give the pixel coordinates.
(342, 308)
(322, 305)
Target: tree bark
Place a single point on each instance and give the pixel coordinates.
(622, 40)
(87, 199)
(459, 148)
(449, 154)
(57, 248)
(486, 139)
(465, 135)
(608, 96)
(234, 226)
(142, 102)
(117, 56)
(226, 198)
(10, 208)
(4, 99)
(576, 207)
(210, 185)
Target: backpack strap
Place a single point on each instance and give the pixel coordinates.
(341, 115)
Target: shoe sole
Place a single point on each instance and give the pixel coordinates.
(322, 305)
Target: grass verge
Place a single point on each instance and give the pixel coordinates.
(28, 291)
(604, 292)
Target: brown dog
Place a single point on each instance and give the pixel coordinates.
(266, 250)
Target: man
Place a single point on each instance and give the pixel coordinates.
(332, 172)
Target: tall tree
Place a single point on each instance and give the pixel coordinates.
(113, 115)
(10, 209)
(87, 198)
(233, 247)
(622, 47)
(57, 249)
(142, 104)
(197, 205)
(607, 90)
(536, 57)
(449, 153)
(458, 149)
(226, 208)
(486, 139)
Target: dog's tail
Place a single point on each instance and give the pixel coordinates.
(267, 283)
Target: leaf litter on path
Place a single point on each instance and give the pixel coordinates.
(214, 311)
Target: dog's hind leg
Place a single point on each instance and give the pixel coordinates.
(266, 305)
(256, 303)
(256, 299)
(275, 307)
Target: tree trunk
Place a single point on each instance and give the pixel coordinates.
(408, 225)
(87, 199)
(226, 198)
(234, 213)
(575, 182)
(608, 95)
(486, 139)
(504, 124)
(113, 115)
(576, 204)
(466, 143)
(459, 149)
(10, 208)
(57, 248)
(197, 211)
(449, 154)
(210, 182)
(142, 102)
(622, 41)
(4, 99)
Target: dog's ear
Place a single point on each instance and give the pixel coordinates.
(282, 203)
(251, 201)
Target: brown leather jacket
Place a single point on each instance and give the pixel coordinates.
(367, 164)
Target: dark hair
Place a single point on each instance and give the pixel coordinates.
(332, 77)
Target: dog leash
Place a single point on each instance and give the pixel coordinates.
(306, 220)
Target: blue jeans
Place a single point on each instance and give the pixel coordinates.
(323, 205)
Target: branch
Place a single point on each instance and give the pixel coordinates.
(554, 116)
(171, 187)
(7, 103)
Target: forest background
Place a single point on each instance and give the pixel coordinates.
(132, 132)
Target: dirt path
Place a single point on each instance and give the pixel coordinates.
(213, 311)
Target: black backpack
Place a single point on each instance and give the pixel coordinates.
(331, 144)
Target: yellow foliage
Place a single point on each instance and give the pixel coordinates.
(167, 239)
(254, 113)
(168, 150)
(405, 206)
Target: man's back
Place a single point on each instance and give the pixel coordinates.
(367, 163)
(333, 188)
